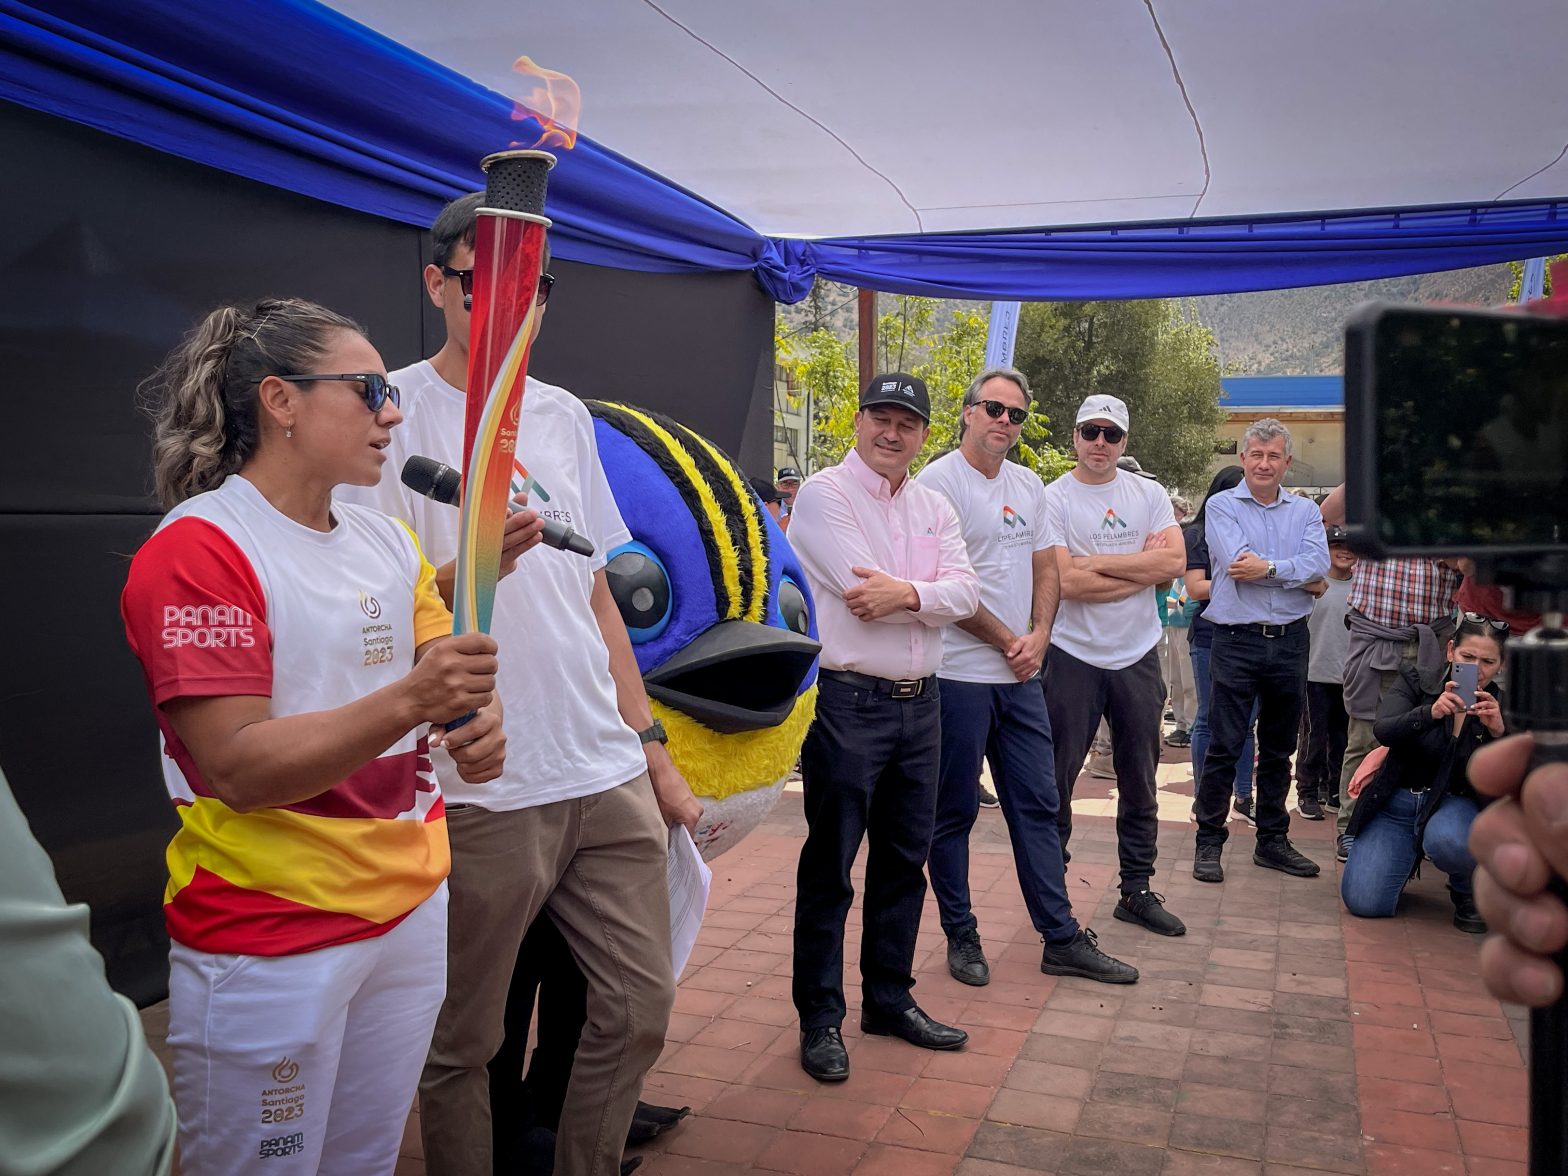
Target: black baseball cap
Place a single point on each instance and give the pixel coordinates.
(899, 388)
(765, 490)
(1337, 534)
(788, 474)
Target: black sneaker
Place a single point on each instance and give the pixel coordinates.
(988, 798)
(1147, 909)
(1243, 807)
(1083, 957)
(1179, 739)
(1331, 801)
(1307, 804)
(1277, 853)
(1466, 917)
(1206, 864)
(1342, 847)
(965, 961)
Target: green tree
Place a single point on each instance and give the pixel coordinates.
(1153, 354)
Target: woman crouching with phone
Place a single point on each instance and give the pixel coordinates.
(295, 649)
(1419, 802)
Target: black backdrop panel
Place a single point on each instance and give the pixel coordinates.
(112, 252)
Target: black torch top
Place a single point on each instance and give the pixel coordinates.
(515, 181)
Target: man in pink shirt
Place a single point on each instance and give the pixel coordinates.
(888, 568)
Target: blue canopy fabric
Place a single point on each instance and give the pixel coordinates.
(293, 94)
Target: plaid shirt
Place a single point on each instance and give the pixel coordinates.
(1402, 592)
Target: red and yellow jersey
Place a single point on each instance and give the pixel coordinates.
(231, 597)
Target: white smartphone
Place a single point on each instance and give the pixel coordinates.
(1465, 677)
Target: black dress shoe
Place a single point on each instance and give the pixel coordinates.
(822, 1054)
(1466, 917)
(914, 1027)
(649, 1122)
(966, 959)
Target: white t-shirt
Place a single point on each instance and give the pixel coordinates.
(567, 738)
(1003, 523)
(1114, 519)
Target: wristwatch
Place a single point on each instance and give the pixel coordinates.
(653, 734)
(1273, 571)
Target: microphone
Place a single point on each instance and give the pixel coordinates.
(433, 479)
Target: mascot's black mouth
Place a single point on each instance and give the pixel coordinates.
(737, 676)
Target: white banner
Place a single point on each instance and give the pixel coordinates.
(1002, 334)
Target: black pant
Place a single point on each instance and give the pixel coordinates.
(1326, 731)
(869, 768)
(1246, 667)
(1077, 695)
(545, 969)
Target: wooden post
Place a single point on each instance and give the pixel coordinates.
(866, 328)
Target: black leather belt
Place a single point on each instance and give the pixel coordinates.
(1272, 630)
(901, 688)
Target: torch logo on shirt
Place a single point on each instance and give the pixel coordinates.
(1111, 521)
(1012, 518)
(525, 483)
(369, 605)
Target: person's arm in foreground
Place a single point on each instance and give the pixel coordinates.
(677, 804)
(1519, 842)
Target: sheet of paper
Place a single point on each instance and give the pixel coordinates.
(689, 881)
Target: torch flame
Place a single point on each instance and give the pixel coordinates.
(548, 107)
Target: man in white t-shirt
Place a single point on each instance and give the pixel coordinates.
(577, 823)
(1115, 538)
(989, 697)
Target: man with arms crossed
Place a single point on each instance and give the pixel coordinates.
(577, 822)
(990, 699)
(1266, 545)
(1114, 537)
(887, 566)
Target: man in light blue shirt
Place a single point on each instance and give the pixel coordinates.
(1269, 555)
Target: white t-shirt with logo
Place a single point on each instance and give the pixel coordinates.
(1003, 520)
(567, 738)
(1114, 519)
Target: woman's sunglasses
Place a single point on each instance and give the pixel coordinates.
(1480, 624)
(995, 408)
(1112, 433)
(373, 389)
(465, 279)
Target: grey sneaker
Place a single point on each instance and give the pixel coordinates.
(965, 959)
(1083, 957)
(1342, 847)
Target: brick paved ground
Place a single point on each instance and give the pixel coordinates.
(1279, 1037)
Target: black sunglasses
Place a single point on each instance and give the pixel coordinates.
(995, 408)
(1112, 433)
(1479, 623)
(465, 279)
(373, 389)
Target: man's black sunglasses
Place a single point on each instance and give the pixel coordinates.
(373, 388)
(995, 408)
(1112, 433)
(1479, 623)
(465, 278)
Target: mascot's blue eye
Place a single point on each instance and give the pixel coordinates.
(641, 588)
(792, 607)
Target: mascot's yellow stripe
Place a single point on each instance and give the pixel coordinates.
(748, 505)
(729, 558)
(717, 766)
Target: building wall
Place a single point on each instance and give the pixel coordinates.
(1318, 445)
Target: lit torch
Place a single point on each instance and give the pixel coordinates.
(509, 238)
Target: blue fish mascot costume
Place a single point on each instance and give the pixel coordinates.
(725, 634)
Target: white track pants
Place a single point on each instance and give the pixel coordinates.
(303, 1064)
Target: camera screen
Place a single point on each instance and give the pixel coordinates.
(1470, 420)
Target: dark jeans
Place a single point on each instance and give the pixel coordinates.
(1008, 725)
(1327, 728)
(545, 970)
(869, 768)
(1077, 696)
(1248, 668)
(1200, 728)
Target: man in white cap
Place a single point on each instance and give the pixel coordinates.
(1117, 538)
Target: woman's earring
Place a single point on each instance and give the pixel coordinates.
(288, 432)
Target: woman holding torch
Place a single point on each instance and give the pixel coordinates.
(295, 649)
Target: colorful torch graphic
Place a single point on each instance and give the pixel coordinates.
(508, 259)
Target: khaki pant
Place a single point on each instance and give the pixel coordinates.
(597, 865)
(1359, 741)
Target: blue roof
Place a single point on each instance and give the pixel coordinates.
(1251, 392)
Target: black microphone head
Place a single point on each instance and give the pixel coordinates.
(433, 479)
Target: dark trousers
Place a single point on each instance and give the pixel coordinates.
(547, 974)
(869, 768)
(1326, 729)
(1077, 695)
(1007, 724)
(1247, 667)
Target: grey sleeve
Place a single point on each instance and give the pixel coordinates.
(80, 1091)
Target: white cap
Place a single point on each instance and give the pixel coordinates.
(1104, 408)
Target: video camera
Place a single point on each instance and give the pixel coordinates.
(1456, 445)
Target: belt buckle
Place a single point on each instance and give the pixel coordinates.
(907, 688)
